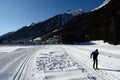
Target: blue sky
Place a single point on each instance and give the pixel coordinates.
(15, 14)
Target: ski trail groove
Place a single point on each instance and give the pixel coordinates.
(82, 67)
(20, 71)
(86, 68)
(11, 63)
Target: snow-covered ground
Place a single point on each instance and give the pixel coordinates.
(59, 62)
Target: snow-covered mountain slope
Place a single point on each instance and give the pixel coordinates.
(103, 4)
(75, 12)
(60, 62)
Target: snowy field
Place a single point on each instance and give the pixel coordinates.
(59, 62)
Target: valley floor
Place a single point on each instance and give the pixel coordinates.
(59, 62)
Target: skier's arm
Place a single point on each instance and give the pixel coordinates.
(91, 55)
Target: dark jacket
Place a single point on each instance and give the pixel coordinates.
(94, 54)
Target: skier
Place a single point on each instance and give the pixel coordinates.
(94, 55)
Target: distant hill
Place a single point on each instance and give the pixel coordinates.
(39, 29)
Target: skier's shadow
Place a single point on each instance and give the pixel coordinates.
(110, 70)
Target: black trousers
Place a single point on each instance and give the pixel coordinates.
(95, 63)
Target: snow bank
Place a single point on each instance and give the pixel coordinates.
(98, 42)
(54, 60)
(6, 49)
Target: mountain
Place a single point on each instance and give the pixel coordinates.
(34, 30)
(100, 24)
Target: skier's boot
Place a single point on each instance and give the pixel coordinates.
(97, 68)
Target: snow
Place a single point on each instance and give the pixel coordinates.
(60, 62)
(55, 30)
(75, 12)
(103, 4)
(38, 38)
(55, 60)
(8, 49)
(31, 24)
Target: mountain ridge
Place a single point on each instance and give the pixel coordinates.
(101, 24)
(34, 30)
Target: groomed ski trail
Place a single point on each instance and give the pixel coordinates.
(81, 54)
